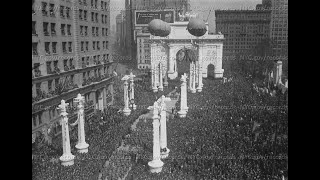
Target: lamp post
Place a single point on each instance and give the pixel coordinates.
(126, 109)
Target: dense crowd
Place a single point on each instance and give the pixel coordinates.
(230, 132)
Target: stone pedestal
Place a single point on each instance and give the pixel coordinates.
(67, 159)
(82, 146)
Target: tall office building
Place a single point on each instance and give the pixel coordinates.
(279, 26)
(70, 55)
(242, 29)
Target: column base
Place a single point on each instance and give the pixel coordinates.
(67, 159)
(155, 166)
(134, 107)
(193, 90)
(155, 89)
(182, 113)
(165, 84)
(199, 89)
(82, 148)
(126, 111)
(172, 75)
(165, 153)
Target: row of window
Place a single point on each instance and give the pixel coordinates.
(94, 31)
(50, 29)
(95, 60)
(95, 45)
(51, 48)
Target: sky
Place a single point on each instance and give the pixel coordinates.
(202, 7)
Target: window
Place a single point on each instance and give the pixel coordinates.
(33, 12)
(40, 117)
(86, 30)
(97, 31)
(102, 17)
(68, 12)
(82, 46)
(47, 48)
(49, 69)
(50, 85)
(65, 65)
(53, 29)
(51, 8)
(107, 44)
(81, 30)
(63, 26)
(70, 46)
(45, 29)
(83, 64)
(93, 31)
(94, 45)
(54, 47)
(106, 31)
(34, 28)
(80, 14)
(35, 48)
(64, 47)
(92, 16)
(98, 45)
(102, 31)
(85, 15)
(61, 11)
(87, 46)
(44, 9)
(97, 17)
(69, 29)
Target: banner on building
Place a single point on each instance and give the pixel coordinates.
(142, 18)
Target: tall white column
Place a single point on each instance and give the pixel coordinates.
(126, 109)
(82, 146)
(183, 97)
(193, 87)
(67, 159)
(279, 72)
(190, 76)
(132, 90)
(165, 83)
(160, 78)
(164, 151)
(156, 164)
(199, 88)
(154, 87)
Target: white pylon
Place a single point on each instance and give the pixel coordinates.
(82, 146)
(156, 163)
(67, 159)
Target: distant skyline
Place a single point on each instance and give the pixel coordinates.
(202, 7)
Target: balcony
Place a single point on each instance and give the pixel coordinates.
(44, 13)
(66, 68)
(34, 52)
(37, 73)
(56, 70)
(72, 67)
(52, 14)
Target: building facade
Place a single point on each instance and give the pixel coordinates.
(242, 29)
(70, 55)
(279, 26)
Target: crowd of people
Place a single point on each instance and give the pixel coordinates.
(230, 132)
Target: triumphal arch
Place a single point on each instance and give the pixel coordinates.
(164, 51)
